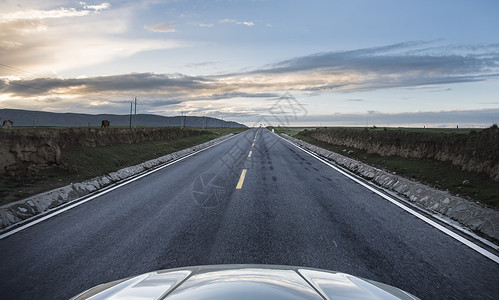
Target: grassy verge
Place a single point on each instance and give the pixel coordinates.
(296, 130)
(292, 131)
(439, 174)
(85, 163)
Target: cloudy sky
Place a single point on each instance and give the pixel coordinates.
(384, 63)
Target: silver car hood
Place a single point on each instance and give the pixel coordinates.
(244, 282)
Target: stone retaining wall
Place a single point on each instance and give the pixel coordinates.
(18, 211)
(477, 151)
(470, 214)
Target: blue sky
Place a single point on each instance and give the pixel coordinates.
(384, 63)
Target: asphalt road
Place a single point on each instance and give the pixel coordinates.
(290, 209)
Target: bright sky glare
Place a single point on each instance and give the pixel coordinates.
(289, 63)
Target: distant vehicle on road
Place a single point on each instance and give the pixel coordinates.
(244, 282)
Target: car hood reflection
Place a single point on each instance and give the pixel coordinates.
(244, 282)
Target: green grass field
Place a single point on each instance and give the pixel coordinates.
(295, 130)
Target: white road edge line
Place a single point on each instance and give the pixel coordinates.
(466, 242)
(59, 211)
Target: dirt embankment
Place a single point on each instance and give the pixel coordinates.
(33, 150)
(475, 152)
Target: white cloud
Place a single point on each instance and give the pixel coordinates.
(348, 71)
(44, 14)
(9, 45)
(206, 25)
(98, 7)
(162, 27)
(48, 42)
(74, 52)
(20, 27)
(188, 16)
(325, 73)
(247, 23)
(221, 21)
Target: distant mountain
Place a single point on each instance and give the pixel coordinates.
(41, 118)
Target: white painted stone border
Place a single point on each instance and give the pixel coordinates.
(468, 213)
(18, 211)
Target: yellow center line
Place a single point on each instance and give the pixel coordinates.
(241, 180)
(249, 155)
(253, 145)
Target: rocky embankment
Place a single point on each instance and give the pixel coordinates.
(36, 149)
(477, 151)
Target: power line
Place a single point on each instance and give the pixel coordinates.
(18, 70)
(14, 82)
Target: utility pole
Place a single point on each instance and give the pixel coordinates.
(135, 119)
(131, 107)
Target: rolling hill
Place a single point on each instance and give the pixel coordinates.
(27, 118)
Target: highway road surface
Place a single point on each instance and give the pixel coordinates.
(254, 198)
